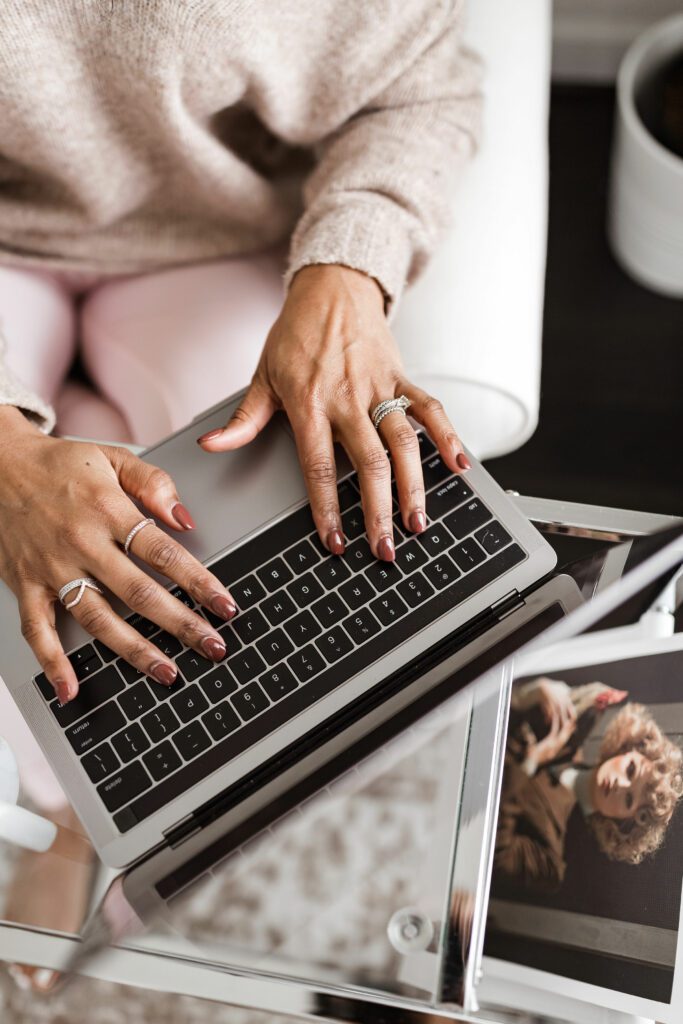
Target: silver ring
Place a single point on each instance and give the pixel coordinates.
(134, 532)
(389, 405)
(83, 583)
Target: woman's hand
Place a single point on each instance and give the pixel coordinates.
(328, 360)
(66, 510)
(540, 752)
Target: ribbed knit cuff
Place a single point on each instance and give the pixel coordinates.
(366, 236)
(13, 392)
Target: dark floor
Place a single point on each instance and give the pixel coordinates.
(611, 422)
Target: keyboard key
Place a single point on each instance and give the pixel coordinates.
(415, 589)
(468, 554)
(167, 644)
(467, 519)
(162, 692)
(123, 787)
(136, 700)
(361, 626)
(278, 682)
(400, 532)
(306, 663)
(304, 590)
(302, 628)
(389, 607)
(334, 644)
(193, 665)
(434, 471)
(247, 592)
(332, 572)
(160, 723)
(260, 549)
(301, 557)
(274, 575)
(129, 672)
(410, 556)
(191, 740)
(358, 555)
(278, 608)
(215, 620)
(100, 763)
(348, 495)
(250, 626)
(441, 572)
(162, 761)
(356, 592)
(246, 665)
(45, 687)
(92, 693)
(353, 524)
(86, 662)
(105, 653)
(219, 684)
(435, 540)
(130, 743)
(189, 703)
(275, 646)
(383, 574)
(493, 538)
(145, 627)
(427, 447)
(249, 702)
(183, 597)
(329, 610)
(221, 720)
(99, 726)
(447, 497)
(230, 638)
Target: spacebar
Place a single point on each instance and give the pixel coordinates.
(307, 694)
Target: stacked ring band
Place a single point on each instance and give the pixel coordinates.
(389, 405)
(134, 532)
(83, 583)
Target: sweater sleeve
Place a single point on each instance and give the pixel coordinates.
(13, 392)
(380, 195)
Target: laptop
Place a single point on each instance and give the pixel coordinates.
(315, 657)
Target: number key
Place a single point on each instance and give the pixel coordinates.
(361, 626)
(415, 589)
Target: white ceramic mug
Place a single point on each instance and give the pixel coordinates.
(645, 217)
(17, 825)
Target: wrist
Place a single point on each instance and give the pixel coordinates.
(334, 275)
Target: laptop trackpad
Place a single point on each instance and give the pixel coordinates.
(230, 494)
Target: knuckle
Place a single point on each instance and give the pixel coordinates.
(31, 628)
(139, 653)
(433, 405)
(158, 479)
(375, 463)
(93, 618)
(202, 584)
(139, 594)
(346, 391)
(319, 469)
(105, 505)
(405, 438)
(163, 554)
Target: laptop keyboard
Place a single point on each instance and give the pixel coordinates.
(308, 621)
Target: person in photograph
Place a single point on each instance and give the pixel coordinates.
(626, 799)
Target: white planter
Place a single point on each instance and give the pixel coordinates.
(645, 215)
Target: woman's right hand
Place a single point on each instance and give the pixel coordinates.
(544, 751)
(66, 510)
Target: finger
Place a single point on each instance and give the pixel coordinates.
(403, 445)
(366, 451)
(431, 414)
(249, 419)
(150, 485)
(314, 443)
(37, 611)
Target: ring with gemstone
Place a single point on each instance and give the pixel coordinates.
(383, 409)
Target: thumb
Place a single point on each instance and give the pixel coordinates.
(248, 420)
(150, 485)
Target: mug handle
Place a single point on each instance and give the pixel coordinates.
(24, 828)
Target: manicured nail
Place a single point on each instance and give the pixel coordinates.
(417, 521)
(210, 436)
(335, 542)
(463, 461)
(215, 649)
(183, 517)
(223, 606)
(163, 673)
(65, 691)
(386, 550)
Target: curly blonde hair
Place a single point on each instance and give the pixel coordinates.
(630, 841)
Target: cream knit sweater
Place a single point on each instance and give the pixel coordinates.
(136, 134)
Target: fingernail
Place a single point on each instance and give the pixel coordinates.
(463, 461)
(335, 542)
(65, 691)
(213, 648)
(163, 673)
(223, 606)
(44, 978)
(386, 550)
(183, 517)
(210, 435)
(417, 521)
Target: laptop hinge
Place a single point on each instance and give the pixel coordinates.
(508, 604)
(182, 831)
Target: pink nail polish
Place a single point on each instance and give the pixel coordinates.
(463, 461)
(210, 435)
(335, 542)
(213, 648)
(386, 550)
(223, 606)
(163, 673)
(65, 691)
(418, 521)
(183, 517)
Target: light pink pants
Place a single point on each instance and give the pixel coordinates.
(159, 348)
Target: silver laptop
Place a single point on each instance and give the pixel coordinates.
(316, 655)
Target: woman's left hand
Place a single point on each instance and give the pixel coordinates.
(328, 360)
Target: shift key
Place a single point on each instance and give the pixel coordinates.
(96, 727)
